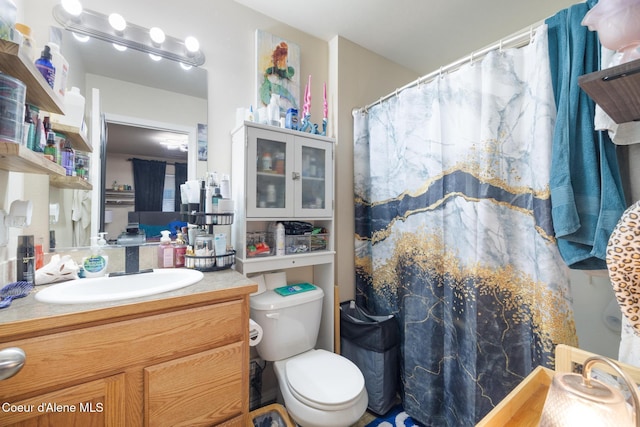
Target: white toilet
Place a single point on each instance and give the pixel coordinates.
(319, 388)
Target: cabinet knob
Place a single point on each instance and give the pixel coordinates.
(11, 361)
(295, 176)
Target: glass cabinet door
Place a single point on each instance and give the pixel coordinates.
(269, 188)
(315, 188)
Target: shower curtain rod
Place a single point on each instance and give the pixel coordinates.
(516, 40)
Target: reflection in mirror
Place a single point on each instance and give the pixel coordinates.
(142, 103)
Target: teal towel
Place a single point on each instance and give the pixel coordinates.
(586, 188)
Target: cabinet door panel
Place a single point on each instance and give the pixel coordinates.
(314, 189)
(202, 389)
(270, 164)
(96, 403)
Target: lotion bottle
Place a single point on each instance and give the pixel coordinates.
(96, 264)
(165, 251)
(180, 249)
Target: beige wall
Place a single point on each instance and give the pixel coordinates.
(361, 77)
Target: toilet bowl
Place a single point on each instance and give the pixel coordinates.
(318, 388)
(321, 389)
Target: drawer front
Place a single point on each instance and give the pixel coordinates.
(203, 389)
(69, 357)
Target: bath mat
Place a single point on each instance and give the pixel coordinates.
(396, 417)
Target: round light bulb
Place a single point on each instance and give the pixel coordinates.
(72, 7)
(155, 57)
(192, 44)
(117, 22)
(157, 35)
(119, 47)
(185, 67)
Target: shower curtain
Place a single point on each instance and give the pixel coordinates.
(454, 233)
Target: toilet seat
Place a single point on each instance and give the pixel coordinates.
(324, 380)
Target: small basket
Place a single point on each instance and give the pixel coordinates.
(210, 263)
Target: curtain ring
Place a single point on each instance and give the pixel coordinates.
(530, 34)
(440, 72)
(500, 48)
(471, 59)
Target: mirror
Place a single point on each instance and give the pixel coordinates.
(142, 102)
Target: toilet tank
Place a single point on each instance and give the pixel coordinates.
(290, 324)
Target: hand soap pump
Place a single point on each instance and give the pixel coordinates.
(165, 251)
(96, 264)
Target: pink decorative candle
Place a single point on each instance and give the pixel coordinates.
(307, 98)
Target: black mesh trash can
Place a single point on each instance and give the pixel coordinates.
(373, 344)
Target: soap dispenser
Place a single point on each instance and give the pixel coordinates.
(96, 264)
(165, 251)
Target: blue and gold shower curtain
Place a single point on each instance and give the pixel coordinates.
(454, 233)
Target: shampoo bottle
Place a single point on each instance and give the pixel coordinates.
(165, 251)
(96, 264)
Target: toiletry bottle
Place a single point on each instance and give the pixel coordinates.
(25, 259)
(217, 196)
(62, 70)
(165, 251)
(101, 240)
(273, 110)
(68, 158)
(179, 249)
(45, 66)
(50, 151)
(280, 237)
(209, 204)
(96, 264)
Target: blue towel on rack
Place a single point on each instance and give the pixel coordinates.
(586, 188)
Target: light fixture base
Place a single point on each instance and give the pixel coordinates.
(95, 24)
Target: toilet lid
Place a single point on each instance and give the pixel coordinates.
(324, 380)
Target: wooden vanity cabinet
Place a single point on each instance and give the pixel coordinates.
(170, 367)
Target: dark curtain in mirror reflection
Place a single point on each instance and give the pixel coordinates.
(181, 178)
(148, 182)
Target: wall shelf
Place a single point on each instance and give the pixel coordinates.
(15, 62)
(616, 90)
(74, 135)
(17, 158)
(120, 198)
(69, 182)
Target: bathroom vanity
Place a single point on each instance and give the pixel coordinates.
(177, 358)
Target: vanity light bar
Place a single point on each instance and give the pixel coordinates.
(95, 24)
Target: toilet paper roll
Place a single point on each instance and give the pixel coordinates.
(255, 333)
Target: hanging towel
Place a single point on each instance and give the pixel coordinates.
(586, 188)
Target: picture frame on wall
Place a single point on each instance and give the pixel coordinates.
(277, 71)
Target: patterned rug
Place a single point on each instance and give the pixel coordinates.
(396, 417)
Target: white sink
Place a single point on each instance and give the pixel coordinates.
(99, 289)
